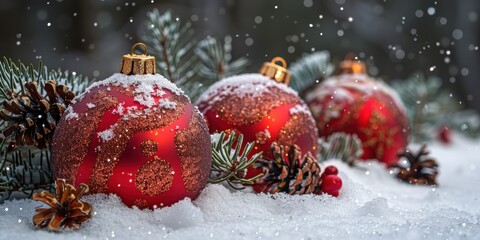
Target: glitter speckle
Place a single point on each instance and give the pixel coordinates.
(154, 177)
(262, 136)
(247, 90)
(297, 126)
(149, 147)
(194, 148)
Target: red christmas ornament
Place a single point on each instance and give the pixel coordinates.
(354, 103)
(137, 136)
(263, 110)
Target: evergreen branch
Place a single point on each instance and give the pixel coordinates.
(310, 69)
(193, 67)
(28, 169)
(428, 105)
(25, 171)
(215, 63)
(466, 122)
(230, 160)
(34, 101)
(171, 43)
(14, 75)
(342, 146)
(216, 60)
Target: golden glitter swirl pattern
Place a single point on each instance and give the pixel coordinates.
(111, 151)
(149, 148)
(154, 177)
(195, 152)
(73, 137)
(294, 129)
(141, 203)
(232, 107)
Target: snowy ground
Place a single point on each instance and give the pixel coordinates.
(373, 205)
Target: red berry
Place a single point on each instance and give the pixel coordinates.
(330, 170)
(335, 194)
(445, 135)
(331, 184)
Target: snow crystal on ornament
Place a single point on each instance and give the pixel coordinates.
(70, 114)
(243, 85)
(108, 134)
(144, 86)
(368, 87)
(165, 103)
(299, 109)
(131, 112)
(119, 110)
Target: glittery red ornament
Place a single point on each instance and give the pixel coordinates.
(354, 103)
(261, 109)
(136, 136)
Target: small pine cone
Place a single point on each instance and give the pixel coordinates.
(295, 176)
(66, 210)
(421, 169)
(31, 118)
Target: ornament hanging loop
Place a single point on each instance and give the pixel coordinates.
(133, 64)
(351, 65)
(276, 72)
(281, 60)
(139, 44)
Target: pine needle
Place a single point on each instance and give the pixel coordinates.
(230, 160)
(172, 44)
(28, 169)
(310, 69)
(428, 105)
(24, 171)
(14, 75)
(192, 66)
(342, 146)
(216, 59)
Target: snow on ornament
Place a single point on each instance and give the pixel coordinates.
(354, 103)
(262, 108)
(134, 134)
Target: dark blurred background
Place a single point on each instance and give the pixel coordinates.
(396, 37)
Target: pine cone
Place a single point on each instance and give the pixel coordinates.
(66, 210)
(31, 118)
(422, 169)
(297, 176)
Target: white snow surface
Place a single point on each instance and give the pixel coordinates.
(372, 205)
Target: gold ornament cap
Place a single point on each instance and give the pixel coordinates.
(351, 66)
(133, 64)
(276, 72)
